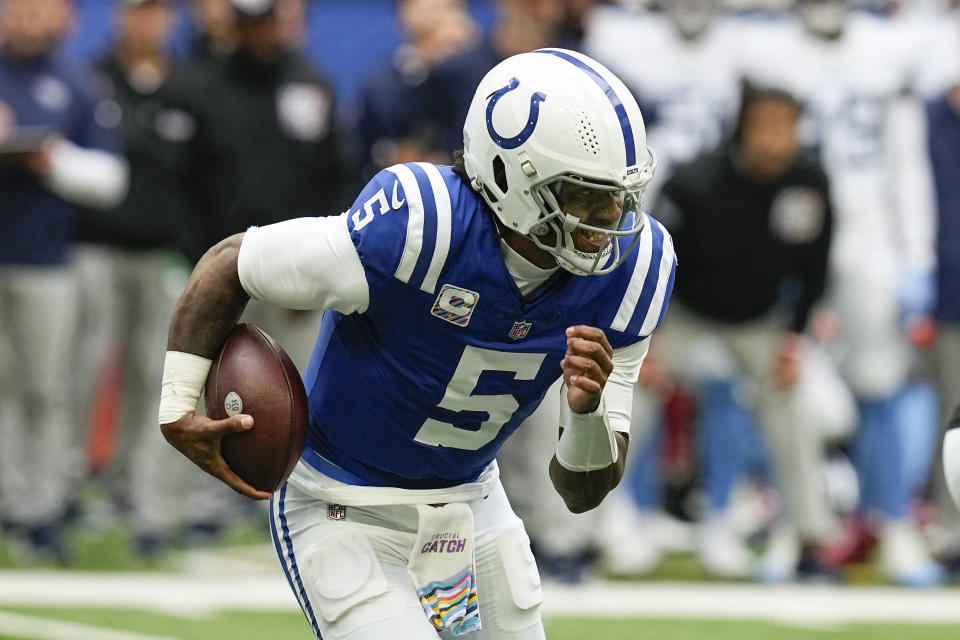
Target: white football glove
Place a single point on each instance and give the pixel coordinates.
(951, 457)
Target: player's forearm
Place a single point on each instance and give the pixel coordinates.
(211, 304)
(585, 490)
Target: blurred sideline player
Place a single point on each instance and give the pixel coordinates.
(689, 98)
(132, 263)
(856, 79)
(754, 221)
(690, 95)
(213, 21)
(439, 104)
(394, 126)
(456, 296)
(54, 156)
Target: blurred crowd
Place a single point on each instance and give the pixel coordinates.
(787, 418)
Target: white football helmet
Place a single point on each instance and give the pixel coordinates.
(551, 118)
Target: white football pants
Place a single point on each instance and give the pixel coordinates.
(351, 580)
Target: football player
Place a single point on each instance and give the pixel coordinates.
(856, 81)
(454, 296)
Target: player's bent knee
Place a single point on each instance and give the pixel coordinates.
(510, 602)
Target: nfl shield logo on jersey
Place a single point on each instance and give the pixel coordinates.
(336, 512)
(520, 330)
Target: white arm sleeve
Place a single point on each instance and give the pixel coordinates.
(588, 441)
(305, 263)
(618, 394)
(88, 177)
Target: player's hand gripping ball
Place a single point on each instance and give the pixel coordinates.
(253, 375)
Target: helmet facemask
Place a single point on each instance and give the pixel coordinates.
(593, 215)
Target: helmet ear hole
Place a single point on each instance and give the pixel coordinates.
(500, 174)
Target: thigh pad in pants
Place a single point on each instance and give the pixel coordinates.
(509, 585)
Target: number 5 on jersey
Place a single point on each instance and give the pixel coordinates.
(459, 396)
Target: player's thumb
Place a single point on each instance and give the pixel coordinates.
(239, 422)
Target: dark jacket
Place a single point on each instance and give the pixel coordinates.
(158, 211)
(266, 148)
(746, 247)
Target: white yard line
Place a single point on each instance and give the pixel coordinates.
(45, 629)
(806, 605)
(192, 595)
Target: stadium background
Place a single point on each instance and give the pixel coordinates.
(234, 591)
(347, 61)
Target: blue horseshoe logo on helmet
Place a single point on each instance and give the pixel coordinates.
(532, 117)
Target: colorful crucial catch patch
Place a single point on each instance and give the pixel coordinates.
(452, 603)
(455, 305)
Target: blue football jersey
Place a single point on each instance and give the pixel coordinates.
(421, 389)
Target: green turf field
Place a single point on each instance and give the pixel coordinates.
(280, 626)
(107, 553)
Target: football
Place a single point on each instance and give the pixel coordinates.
(253, 375)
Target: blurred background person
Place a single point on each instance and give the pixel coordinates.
(928, 31)
(213, 25)
(266, 144)
(132, 261)
(753, 223)
(679, 62)
(868, 123)
(55, 156)
(394, 127)
(438, 105)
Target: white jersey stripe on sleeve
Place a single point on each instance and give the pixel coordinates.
(667, 260)
(414, 241)
(635, 288)
(441, 196)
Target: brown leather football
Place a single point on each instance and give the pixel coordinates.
(253, 375)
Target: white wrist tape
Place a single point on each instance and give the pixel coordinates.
(951, 463)
(184, 376)
(587, 442)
